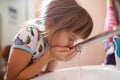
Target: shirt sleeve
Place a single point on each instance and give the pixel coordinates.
(26, 39)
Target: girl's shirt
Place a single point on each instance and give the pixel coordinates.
(31, 38)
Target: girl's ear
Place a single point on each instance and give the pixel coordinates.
(49, 24)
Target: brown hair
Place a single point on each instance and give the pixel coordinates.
(68, 15)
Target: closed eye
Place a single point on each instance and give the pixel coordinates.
(70, 39)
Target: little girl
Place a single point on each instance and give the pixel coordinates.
(41, 43)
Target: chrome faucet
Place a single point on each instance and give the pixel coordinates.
(98, 38)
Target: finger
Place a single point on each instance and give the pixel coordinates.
(60, 49)
(69, 52)
(72, 50)
(71, 56)
(61, 55)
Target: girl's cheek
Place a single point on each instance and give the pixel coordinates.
(60, 42)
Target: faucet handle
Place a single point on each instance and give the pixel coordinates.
(116, 41)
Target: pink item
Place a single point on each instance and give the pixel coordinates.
(110, 22)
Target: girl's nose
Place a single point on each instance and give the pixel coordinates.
(70, 45)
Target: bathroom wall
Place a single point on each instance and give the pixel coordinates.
(11, 19)
(14, 13)
(93, 54)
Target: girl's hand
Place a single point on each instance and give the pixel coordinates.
(63, 53)
(72, 54)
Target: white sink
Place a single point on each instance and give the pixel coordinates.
(83, 73)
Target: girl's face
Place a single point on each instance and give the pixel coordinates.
(64, 39)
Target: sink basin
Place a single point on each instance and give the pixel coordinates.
(83, 73)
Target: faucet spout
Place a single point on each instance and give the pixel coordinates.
(98, 38)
